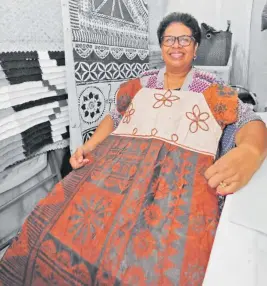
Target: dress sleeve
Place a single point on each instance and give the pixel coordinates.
(124, 96)
(223, 103)
(245, 115)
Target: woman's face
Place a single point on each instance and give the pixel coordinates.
(177, 56)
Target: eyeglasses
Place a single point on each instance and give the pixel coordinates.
(183, 41)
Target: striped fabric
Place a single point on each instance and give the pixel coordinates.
(33, 104)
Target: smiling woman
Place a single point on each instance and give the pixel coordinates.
(142, 206)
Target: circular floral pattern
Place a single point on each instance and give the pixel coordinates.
(92, 104)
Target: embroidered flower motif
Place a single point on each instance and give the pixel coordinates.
(135, 131)
(175, 138)
(220, 108)
(198, 119)
(165, 99)
(154, 132)
(127, 117)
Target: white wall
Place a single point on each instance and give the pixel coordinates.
(216, 13)
(156, 10)
(258, 54)
(27, 25)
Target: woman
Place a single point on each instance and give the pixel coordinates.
(140, 211)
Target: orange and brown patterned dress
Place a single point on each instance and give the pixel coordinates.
(141, 213)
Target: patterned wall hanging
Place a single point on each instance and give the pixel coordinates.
(109, 45)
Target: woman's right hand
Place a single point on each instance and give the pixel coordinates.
(78, 160)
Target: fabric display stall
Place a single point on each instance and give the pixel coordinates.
(34, 119)
(107, 42)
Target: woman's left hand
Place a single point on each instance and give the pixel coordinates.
(234, 170)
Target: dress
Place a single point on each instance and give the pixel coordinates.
(198, 80)
(141, 213)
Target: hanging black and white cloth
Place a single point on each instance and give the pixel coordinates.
(33, 104)
(109, 45)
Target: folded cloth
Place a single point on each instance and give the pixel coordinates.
(21, 173)
(33, 105)
(26, 63)
(32, 55)
(31, 98)
(22, 68)
(20, 116)
(16, 127)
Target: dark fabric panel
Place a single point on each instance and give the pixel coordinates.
(41, 102)
(11, 73)
(45, 141)
(18, 56)
(66, 167)
(66, 135)
(55, 55)
(21, 79)
(37, 130)
(8, 65)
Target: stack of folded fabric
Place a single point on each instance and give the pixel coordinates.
(34, 114)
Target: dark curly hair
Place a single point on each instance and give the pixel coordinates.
(184, 18)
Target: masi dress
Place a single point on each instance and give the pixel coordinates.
(141, 213)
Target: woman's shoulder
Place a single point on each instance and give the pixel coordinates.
(143, 77)
(207, 76)
(149, 78)
(150, 72)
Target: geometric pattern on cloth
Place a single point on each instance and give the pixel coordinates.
(125, 223)
(109, 46)
(95, 101)
(33, 104)
(100, 72)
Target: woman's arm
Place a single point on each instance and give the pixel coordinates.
(107, 125)
(102, 132)
(244, 147)
(78, 160)
(253, 137)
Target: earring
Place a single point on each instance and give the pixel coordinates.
(195, 57)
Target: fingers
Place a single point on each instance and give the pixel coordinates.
(211, 171)
(219, 173)
(77, 160)
(78, 164)
(79, 155)
(227, 190)
(226, 177)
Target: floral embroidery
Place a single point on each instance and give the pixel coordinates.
(135, 131)
(127, 117)
(154, 132)
(220, 108)
(165, 99)
(175, 138)
(198, 119)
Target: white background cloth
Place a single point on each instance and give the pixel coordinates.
(239, 254)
